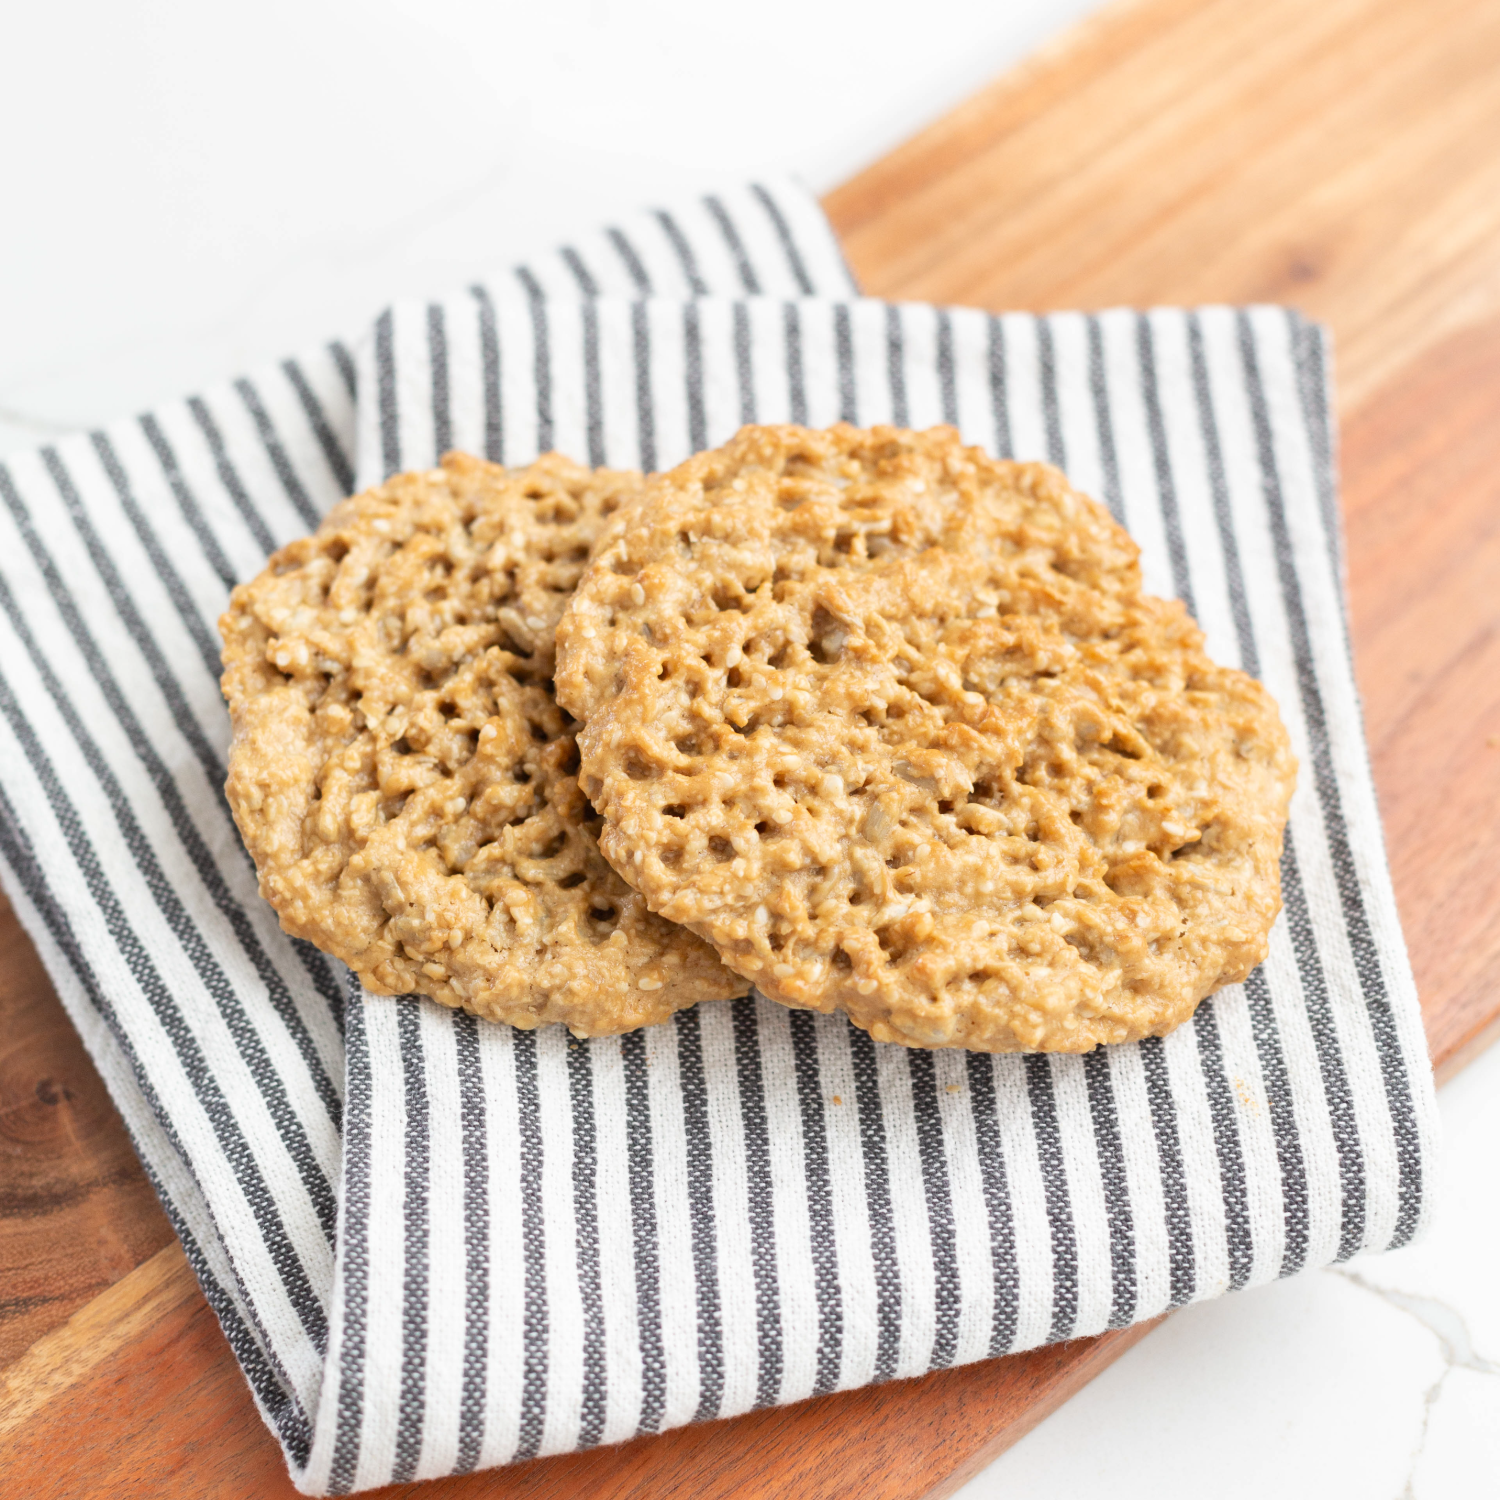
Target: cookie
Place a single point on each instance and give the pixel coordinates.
(891, 724)
(402, 775)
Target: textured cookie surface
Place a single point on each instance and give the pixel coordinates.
(891, 724)
(402, 775)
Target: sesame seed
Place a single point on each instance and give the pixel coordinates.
(650, 984)
(782, 971)
(637, 593)
(866, 986)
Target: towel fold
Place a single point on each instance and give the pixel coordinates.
(437, 1245)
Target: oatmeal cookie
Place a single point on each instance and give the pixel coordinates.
(402, 775)
(891, 724)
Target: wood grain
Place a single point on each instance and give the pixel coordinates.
(76, 1211)
(167, 1413)
(1339, 156)
(1422, 501)
(136, 1305)
(1342, 157)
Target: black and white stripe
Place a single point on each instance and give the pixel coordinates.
(437, 1245)
(904, 1213)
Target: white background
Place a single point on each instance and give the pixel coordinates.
(186, 189)
(189, 187)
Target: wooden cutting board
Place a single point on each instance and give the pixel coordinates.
(1344, 157)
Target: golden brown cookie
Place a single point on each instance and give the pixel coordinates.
(402, 775)
(890, 723)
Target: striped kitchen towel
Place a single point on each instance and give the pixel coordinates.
(438, 1245)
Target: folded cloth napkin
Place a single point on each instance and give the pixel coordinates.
(437, 1245)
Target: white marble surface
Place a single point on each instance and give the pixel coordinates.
(190, 188)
